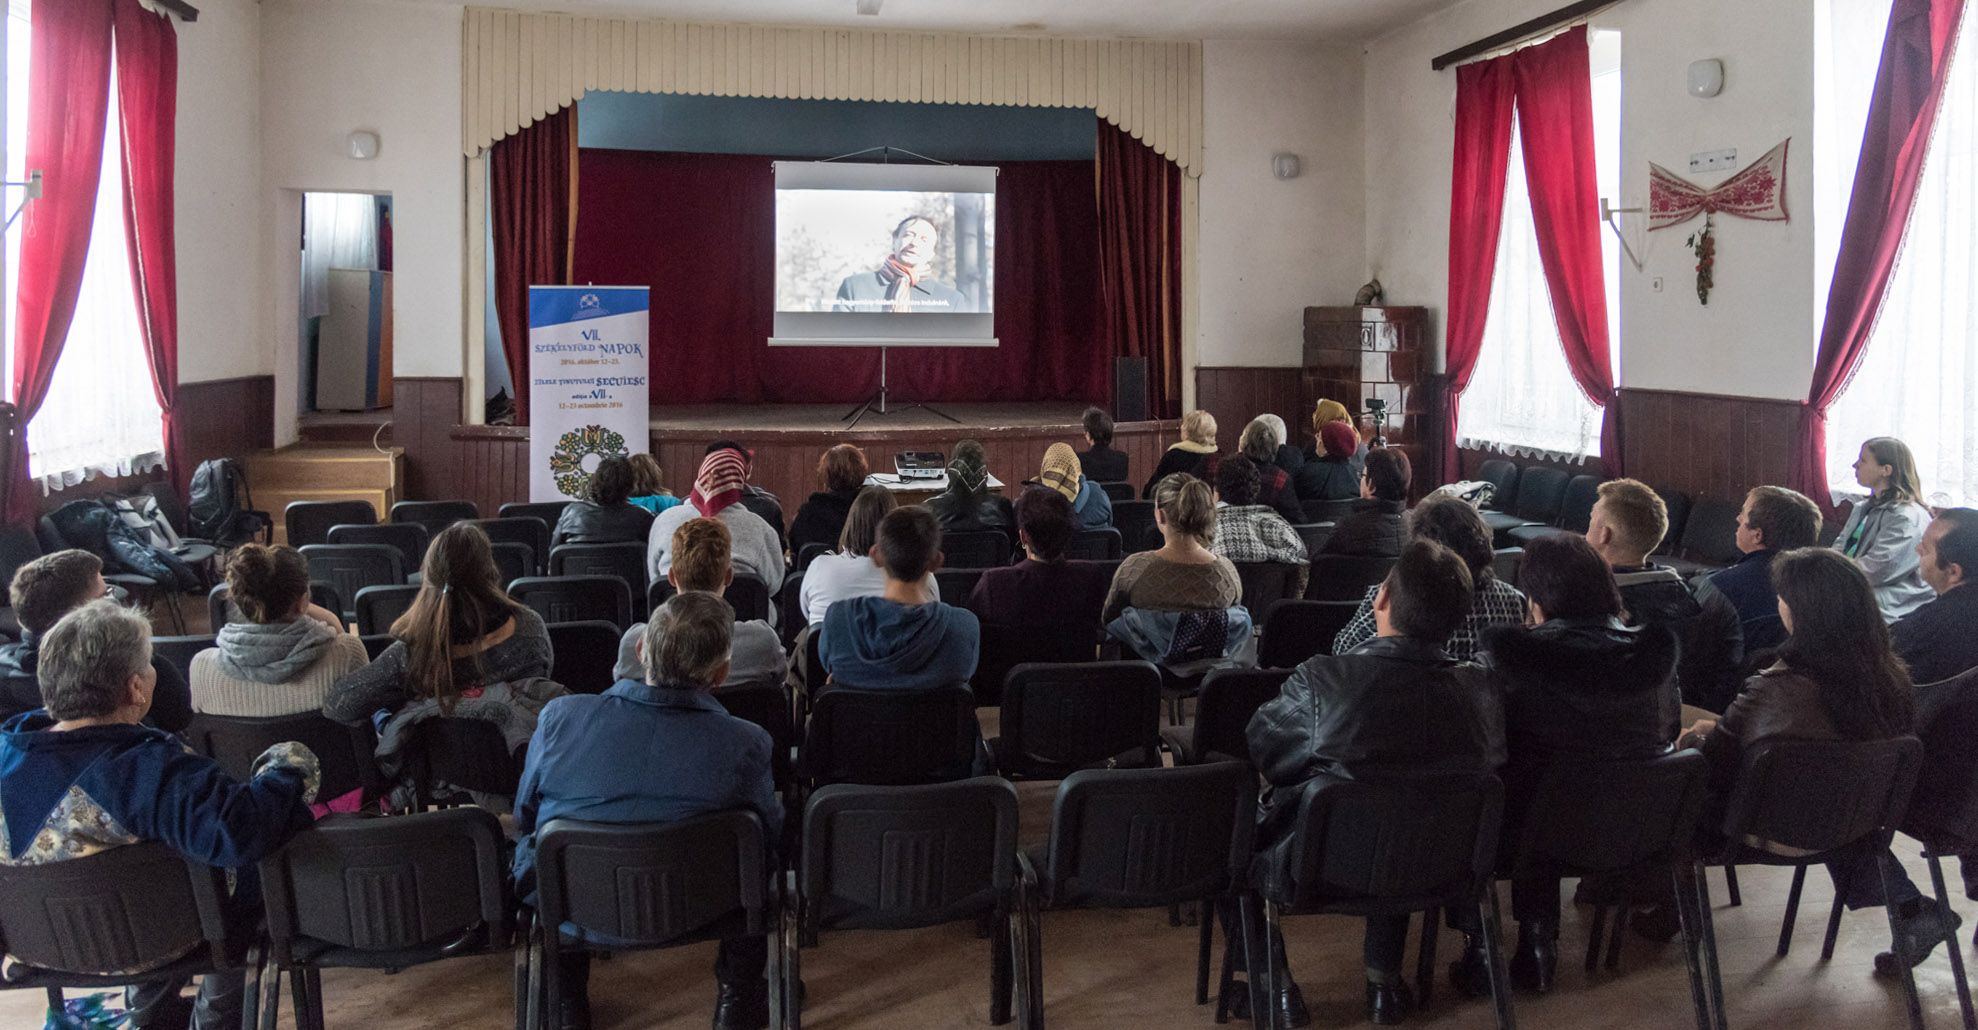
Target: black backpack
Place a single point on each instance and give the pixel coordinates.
(220, 506)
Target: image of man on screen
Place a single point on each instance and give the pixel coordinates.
(904, 282)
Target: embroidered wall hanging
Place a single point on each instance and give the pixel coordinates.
(1758, 192)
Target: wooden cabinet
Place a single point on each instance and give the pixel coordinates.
(319, 472)
(1354, 353)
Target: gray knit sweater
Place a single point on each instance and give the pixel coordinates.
(386, 684)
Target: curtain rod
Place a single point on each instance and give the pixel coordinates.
(185, 11)
(1517, 33)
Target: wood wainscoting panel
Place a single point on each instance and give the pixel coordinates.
(1707, 445)
(225, 418)
(1235, 395)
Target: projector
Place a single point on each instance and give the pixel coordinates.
(921, 465)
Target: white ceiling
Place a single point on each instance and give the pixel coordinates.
(1342, 21)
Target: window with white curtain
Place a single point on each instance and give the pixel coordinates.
(1522, 399)
(100, 416)
(1918, 379)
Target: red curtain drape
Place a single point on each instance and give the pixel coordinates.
(147, 96)
(531, 175)
(1485, 93)
(68, 96)
(1551, 88)
(1140, 260)
(1916, 56)
(699, 229)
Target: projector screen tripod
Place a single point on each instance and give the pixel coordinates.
(876, 404)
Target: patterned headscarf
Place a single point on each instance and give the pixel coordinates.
(722, 476)
(1062, 471)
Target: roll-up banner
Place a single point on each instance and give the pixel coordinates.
(588, 395)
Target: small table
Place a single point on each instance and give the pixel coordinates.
(914, 491)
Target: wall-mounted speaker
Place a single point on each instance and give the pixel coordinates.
(1129, 389)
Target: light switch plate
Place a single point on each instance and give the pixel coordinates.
(1714, 160)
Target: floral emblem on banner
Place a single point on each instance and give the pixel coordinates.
(566, 462)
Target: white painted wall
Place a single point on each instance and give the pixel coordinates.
(1268, 248)
(392, 68)
(1754, 338)
(218, 187)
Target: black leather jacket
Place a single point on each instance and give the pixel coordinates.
(956, 515)
(585, 523)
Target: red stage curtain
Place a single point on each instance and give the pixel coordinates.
(147, 92)
(1555, 121)
(530, 176)
(1484, 95)
(1916, 56)
(1140, 260)
(68, 97)
(699, 229)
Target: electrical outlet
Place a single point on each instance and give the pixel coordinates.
(1655, 284)
(1714, 160)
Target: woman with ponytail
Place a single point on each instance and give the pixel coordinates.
(462, 633)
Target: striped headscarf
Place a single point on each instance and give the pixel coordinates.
(719, 484)
(1062, 471)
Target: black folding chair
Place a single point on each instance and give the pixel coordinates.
(178, 651)
(790, 607)
(389, 894)
(220, 608)
(1826, 800)
(1265, 583)
(375, 644)
(75, 923)
(528, 531)
(1314, 534)
(1143, 838)
(584, 655)
(575, 598)
(811, 553)
(1388, 848)
(18, 546)
(1502, 475)
(448, 754)
(647, 887)
(309, 522)
(352, 567)
(1327, 511)
(1297, 630)
(513, 561)
(410, 538)
(1135, 522)
(957, 585)
(548, 511)
(170, 506)
(895, 858)
(1101, 544)
(379, 607)
(1058, 719)
(434, 515)
(748, 595)
(1005, 647)
(1345, 577)
(984, 549)
(343, 752)
(1117, 492)
(627, 561)
(327, 597)
(1223, 709)
(890, 737)
(192, 550)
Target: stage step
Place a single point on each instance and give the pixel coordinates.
(345, 427)
(324, 472)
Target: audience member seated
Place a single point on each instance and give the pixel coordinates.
(1578, 685)
(1183, 574)
(1190, 454)
(1089, 504)
(1629, 521)
(1259, 443)
(1289, 457)
(1246, 529)
(1451, 522)
(1397, 705)
(841, 472)
(43, 591)
(1043, 589)
(606, 514)
(1330, 475)
(655, 748)
(1377, 525)
(701, 564)
(1326, 412)
(284, 654)
(1940, 639)
(461, 634)
(84, 777)
(1882, 532)
(1836, 678)
(764, 504)
(852, 570)
(1101, 462)
(720, 492)
(904, 639)
(968, 505)
(1773, 519)
(649, 484)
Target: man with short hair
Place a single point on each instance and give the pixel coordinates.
(1102, 464)
(43, 591)
(763, 503)
(656, 749)
(1940, 639)
(1773, 519)
(83, 777)
(1628, 523)
(1397, 705)
(702, 562)
(902, 639)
